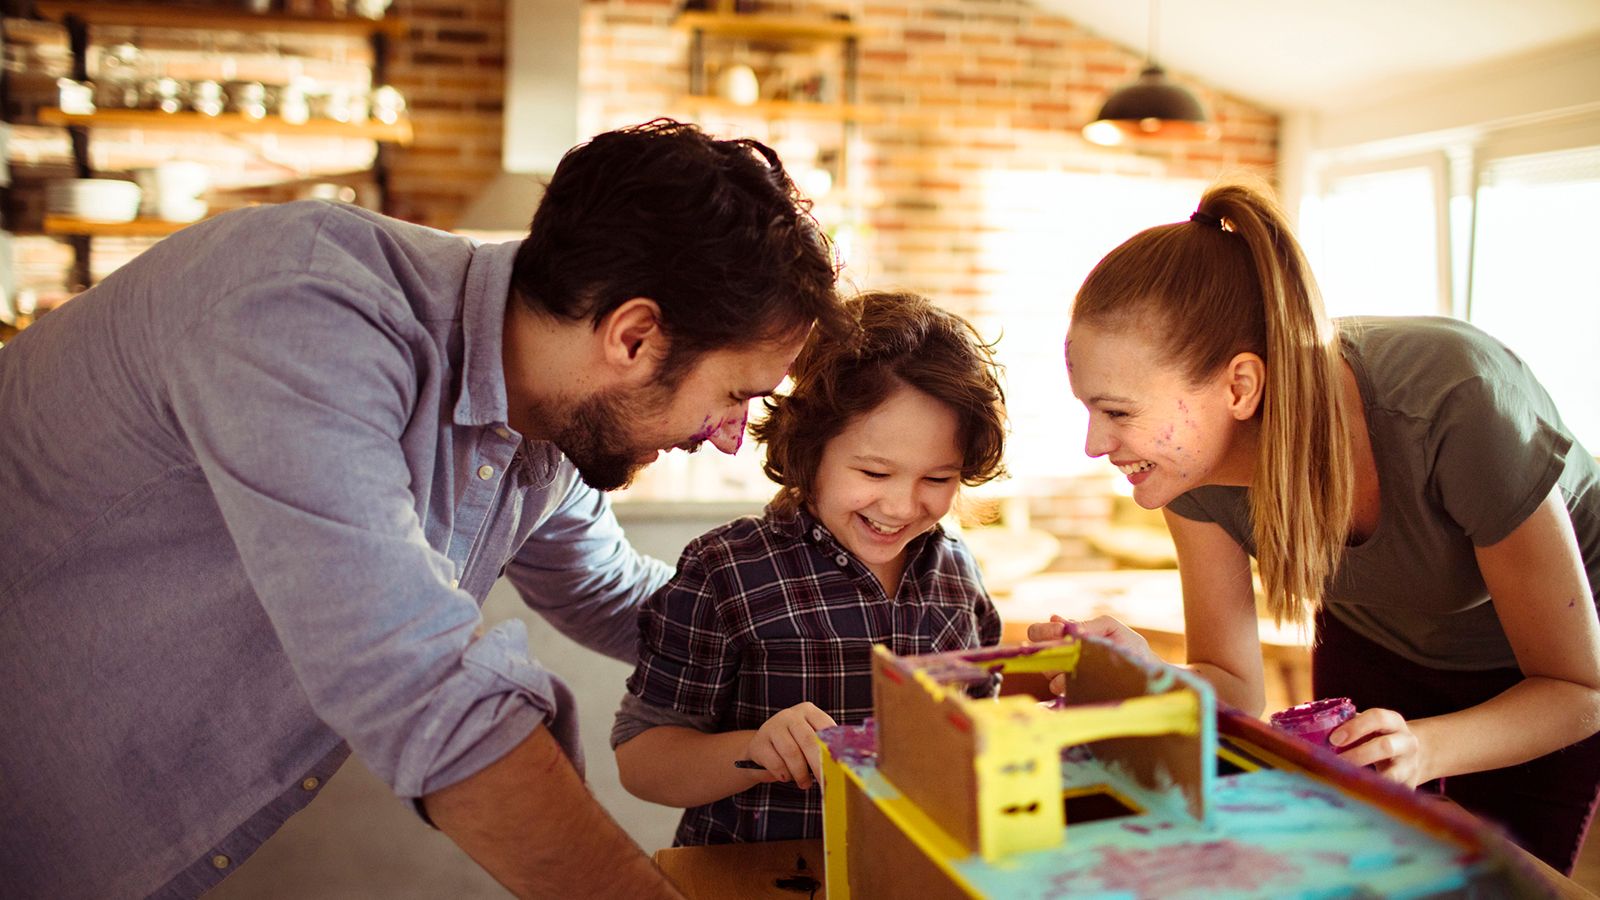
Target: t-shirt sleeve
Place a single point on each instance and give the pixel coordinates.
(686, 662)
(1495, 458)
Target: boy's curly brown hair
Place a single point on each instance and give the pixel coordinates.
(900, 339)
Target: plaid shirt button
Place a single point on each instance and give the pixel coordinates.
(816, 534)
(842, 560)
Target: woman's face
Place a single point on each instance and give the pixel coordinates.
(1165, 434)
(889, 476)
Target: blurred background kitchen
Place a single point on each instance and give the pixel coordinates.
(1439, 156)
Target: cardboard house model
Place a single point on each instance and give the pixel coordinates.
(1132, 785)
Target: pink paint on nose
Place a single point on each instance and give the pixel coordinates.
(729, 434)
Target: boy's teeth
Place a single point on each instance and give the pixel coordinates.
(1140, 466)
(881, 529)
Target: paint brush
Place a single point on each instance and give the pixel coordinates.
(747, 764)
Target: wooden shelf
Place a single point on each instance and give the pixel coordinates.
(784, 109)
(163, 15)
(228, 123)
(63, 226)
(757, 26)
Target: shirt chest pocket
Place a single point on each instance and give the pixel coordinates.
(833, 672)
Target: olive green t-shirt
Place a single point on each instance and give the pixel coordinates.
(1467, 445)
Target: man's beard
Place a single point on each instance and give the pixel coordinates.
(596, 437)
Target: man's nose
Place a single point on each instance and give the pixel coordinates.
(729, 436)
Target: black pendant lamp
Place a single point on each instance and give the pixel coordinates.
(1151, 107)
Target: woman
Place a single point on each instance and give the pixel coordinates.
(1404, 482)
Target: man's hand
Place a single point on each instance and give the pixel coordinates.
(786, 744)
(530, 821)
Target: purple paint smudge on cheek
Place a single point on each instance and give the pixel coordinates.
(706, 430)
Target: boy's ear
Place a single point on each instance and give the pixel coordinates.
(1245, 377)
(631, 339)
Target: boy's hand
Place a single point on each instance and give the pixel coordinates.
(786, 744)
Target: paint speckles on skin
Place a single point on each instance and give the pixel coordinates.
(727, 434)
(1209, 866)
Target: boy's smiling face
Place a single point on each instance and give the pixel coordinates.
(889, 476)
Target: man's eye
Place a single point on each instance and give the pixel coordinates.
(1115, 414)
(871, 474)
(941, 479)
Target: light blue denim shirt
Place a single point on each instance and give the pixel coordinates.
(253, 489)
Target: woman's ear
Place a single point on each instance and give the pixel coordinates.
(1246, 378)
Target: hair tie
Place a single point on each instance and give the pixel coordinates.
(1205, 218)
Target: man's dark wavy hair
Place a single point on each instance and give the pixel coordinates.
(713, 231)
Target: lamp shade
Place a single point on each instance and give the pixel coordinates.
(1151, 107)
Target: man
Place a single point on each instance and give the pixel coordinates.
(254, 486)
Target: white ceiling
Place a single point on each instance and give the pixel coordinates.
(1293, 55)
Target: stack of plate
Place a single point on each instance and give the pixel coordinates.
(95, 199)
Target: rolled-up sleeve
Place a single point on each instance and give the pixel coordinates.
(302, 453)
(580, 573)
(686, 664)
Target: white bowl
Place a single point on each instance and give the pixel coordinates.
(97, 199)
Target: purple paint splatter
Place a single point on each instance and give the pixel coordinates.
(727, 434)
(853, 744)
(1211, 866)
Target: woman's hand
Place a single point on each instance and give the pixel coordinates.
(1125, 638)
(1106, 627)
(1383, 739)
(786, 744)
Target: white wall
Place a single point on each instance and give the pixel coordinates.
(1556, 86)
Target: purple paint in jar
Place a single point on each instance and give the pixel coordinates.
(1314, 721)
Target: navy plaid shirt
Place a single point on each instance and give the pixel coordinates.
(768, 612)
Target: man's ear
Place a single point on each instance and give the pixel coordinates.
(631, 338)
(1245, 378)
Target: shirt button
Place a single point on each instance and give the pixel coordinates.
(842, 560)
(455, 582)
(486, 472)
(220, 862)
(311, 783)
(816, 534)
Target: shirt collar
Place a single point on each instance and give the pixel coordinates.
(482, 400)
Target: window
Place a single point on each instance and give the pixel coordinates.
(1373, 243)
(1512, 248)
(1536, 273)
(1056, 227)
